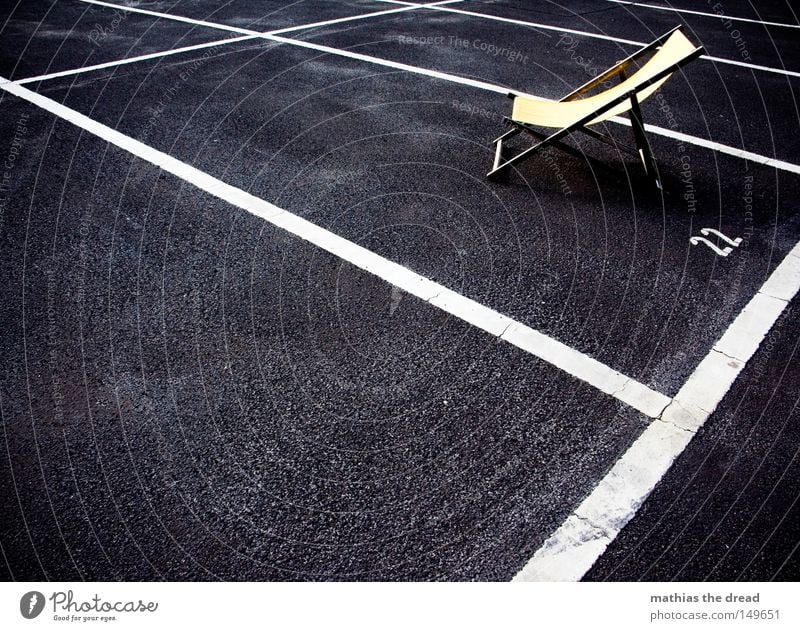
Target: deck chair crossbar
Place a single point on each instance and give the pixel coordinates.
(633, 96)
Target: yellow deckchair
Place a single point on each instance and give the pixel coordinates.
(573, 113)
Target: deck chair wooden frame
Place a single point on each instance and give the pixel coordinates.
(638, 85)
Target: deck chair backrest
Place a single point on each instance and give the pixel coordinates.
(563, 113)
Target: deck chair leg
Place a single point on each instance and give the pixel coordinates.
(498, 150)
(498, 168)
(642, 144)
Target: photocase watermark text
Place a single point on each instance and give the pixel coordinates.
(65, 602)
(570, 46)
(101, 32)
(17, 142)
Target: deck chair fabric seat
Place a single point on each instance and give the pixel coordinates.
(577, 113)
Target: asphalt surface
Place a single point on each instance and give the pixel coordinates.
(728, 509)
(189, 393)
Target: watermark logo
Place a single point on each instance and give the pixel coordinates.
(100, 32)
(31, 604)
(66, 607)
(570, 45)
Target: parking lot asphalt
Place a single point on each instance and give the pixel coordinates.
(192, 393)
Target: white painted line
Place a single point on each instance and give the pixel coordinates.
(785, 280)
(585, 368)
(744, 64)
(575, 546)
(483, 85)
(495, 18)
(408, 7)
(299, 27)
(661, 131)
(746, 333)
(131, 60)
(251, 35)
(703, 13)
(610, 38)
(715, 146)
(177, 18)
(569, 553)
(234, 29)
(391, 64)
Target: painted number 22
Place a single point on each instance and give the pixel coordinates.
(732, 243)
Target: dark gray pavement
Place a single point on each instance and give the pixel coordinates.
(46, 37)
(728, 509)
(190, 393)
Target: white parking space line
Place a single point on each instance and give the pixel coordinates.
(581, 366)
(131, 60)
(249, 35)
(527, 24)
(719, 16)
(575, 546)
(234, 29)
(609, 38)
(177, 18)
(716, 146)
(408, 7)
(495, 18)
(483, 85)
(587, 369)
